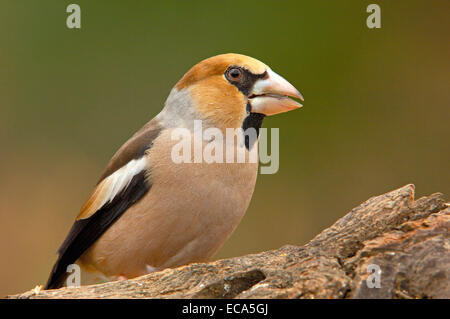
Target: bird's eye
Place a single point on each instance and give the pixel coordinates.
(234, 74)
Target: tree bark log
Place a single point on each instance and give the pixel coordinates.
(407, 240)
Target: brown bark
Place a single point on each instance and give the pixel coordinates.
(409, 241)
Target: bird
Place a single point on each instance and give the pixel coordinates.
(147, 213)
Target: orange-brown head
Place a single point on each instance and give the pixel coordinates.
(226, 88)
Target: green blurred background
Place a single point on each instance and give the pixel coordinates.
(375, 115)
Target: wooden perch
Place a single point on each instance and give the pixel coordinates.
(408, 240)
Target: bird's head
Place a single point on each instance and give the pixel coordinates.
(226, 88)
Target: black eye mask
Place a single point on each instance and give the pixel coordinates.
(247, 81)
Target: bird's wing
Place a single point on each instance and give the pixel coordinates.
(121, 185)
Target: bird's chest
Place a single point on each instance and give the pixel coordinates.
(188, 213)
(215, 175)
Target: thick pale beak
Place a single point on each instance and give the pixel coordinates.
(270, 95)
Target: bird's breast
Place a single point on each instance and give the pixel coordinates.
(189, 212)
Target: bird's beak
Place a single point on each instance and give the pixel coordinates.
(270, 95)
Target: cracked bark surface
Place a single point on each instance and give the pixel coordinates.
(407, 239)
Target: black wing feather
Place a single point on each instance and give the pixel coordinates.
(85, 232)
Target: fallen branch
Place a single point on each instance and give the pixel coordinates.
(407, 240)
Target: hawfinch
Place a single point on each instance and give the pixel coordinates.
(147, 212)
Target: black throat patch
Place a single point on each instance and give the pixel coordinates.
(252, 121)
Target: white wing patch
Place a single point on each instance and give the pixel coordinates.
(112, 185)
(121, 178)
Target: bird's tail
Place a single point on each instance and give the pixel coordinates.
(58, 275)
